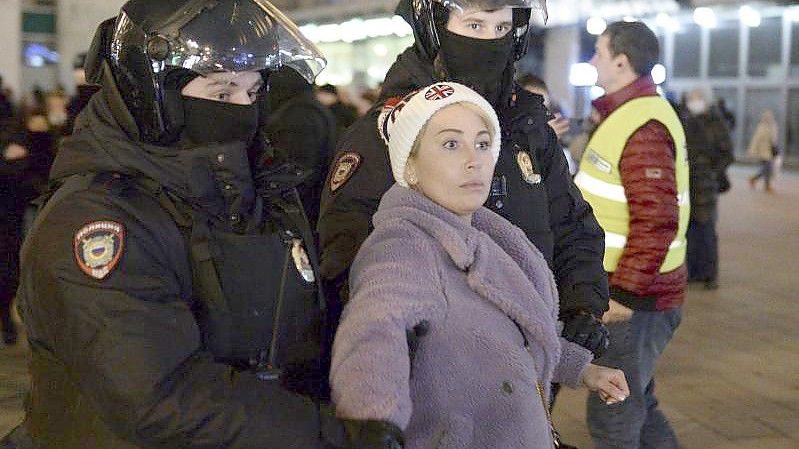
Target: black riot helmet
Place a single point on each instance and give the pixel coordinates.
(426, 16)
(141, 52)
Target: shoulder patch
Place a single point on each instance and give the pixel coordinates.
(98, 247)
(346, 166)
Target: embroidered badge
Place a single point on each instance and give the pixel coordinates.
(301, 261)
(345, 167)
(654, 173)
(439, 92)
(527, 168)
(98, 247)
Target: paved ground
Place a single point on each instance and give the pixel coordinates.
(730, 379)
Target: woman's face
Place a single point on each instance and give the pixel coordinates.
(453, 164)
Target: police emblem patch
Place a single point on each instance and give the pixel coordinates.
(527, 168)
(98, 247)
(345, 167)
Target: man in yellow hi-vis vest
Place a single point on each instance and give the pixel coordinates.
(634, 173)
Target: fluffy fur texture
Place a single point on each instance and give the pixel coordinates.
(475, 289)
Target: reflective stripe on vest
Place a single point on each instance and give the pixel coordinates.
(599, 178)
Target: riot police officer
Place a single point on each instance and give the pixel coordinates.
(477, 42)
(165, 284)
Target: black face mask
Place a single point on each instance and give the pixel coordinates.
(208, 122)
(477, 63)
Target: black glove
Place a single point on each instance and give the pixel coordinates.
(363, 434)
(583, 328)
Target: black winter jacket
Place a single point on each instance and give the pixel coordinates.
(709, 155)
(545, 204)
(131, 360)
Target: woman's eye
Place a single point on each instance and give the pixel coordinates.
(483, 145)
(451, 144)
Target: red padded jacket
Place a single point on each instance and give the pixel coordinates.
(647, 173)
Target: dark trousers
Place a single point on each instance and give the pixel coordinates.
(764, 172)
(702, 256)
(635, 347)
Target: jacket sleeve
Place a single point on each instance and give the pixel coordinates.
(573, 361)
(579, 240)
(395, 287)
(346, 213)
(133, 347)
(648, 177)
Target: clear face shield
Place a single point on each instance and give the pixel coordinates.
(460, 6)
(208, 36)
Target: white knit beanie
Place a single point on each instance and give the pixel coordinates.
(400, 122)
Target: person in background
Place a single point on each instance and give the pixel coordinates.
(83, 94)
(580, 141)
(709, 154)
(345, 114)
(25, 159)
(6, 105)
(559, 123)
(14, 195)
(635, 176)
(478, 295)
(763, 148)
(726, 113)
(536, 85)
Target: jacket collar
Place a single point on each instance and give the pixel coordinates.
(642, 87)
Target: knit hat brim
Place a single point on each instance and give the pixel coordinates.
(401, 121)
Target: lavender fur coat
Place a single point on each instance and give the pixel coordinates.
(472, 382)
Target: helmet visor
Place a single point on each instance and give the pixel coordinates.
(464, 5)
(210, 36)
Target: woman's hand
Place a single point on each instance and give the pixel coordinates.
(609, 383)
(616, 312)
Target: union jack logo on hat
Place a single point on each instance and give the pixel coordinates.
(439, 92)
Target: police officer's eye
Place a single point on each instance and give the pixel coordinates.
(222, 96)
(475, 26)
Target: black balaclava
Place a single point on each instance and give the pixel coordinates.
(478, 63)
(202, 122)
(207, 122)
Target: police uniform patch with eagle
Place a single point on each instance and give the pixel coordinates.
(345, 167)
(98, 247)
